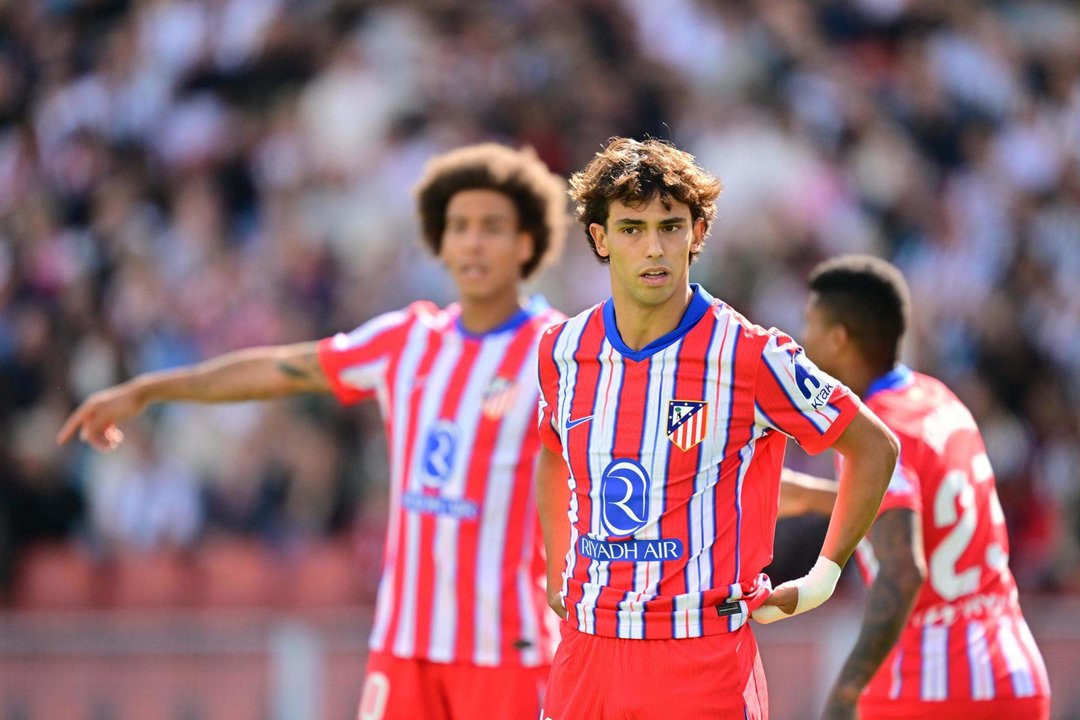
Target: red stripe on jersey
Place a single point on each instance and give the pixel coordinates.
(548, 378)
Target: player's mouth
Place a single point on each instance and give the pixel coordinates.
(654, 275)
(472, 271)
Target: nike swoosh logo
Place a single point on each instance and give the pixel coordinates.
(571, 424)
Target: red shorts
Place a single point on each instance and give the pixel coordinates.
(400, 689)
(718, 677)
(1034, 708)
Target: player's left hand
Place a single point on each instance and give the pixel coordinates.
(798, 596)
(785, 597)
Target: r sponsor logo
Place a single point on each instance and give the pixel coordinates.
(624, 498)
(440, 452)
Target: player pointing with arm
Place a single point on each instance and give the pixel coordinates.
(459, 607)
(966, 652)
(664, 416)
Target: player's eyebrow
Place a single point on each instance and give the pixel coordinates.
(634, 222)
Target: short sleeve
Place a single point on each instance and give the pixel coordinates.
(356, 363)
(548, 372)
(795, 397)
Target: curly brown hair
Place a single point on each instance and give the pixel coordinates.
(537, 193)
(633, 172)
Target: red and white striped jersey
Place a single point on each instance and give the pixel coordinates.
(966, 639)
(674, 454)
(463, 567)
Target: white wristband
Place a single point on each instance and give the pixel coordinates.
(814, 588)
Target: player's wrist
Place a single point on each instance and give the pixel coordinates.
(818, 585)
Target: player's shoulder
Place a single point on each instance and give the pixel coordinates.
(574, 324)
(747, 329)
(923, 410)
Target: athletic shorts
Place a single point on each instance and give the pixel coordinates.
(407, 689)
(1033, 708)
(718, 677)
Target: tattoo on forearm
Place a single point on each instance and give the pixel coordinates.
(891, 596)
(293, 370)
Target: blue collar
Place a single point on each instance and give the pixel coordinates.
(897, 378)
(536, 305)
(700, 302)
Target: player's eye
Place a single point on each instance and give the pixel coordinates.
(630, 230)
(671, 228)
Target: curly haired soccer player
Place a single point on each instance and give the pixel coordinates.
(460, 609)
(664, 418)
(943, 635)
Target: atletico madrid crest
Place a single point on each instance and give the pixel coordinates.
(686, 422)
(498, 397)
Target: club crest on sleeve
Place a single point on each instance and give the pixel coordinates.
(498, 397)
(686, 421)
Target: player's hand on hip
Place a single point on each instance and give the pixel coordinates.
(555, 601)
(96, 419)
(798, 596)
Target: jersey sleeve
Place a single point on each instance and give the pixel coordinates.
(548, 372)
(797, 398)
(356, 363)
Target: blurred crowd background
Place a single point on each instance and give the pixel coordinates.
(180, 178)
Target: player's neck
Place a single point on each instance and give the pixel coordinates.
(640, 324)
(481, 316)
(858, 376)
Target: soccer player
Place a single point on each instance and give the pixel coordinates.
(460, 606)
(938, 544)
(664, 416)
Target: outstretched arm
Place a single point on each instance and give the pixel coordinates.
(897, 540)
(553, 501)
(870, 451)
(255, 374)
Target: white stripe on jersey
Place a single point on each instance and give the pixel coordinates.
(415, 345)
(982, 670)
(866, 555)
(496, 513)
(445, 549)
(1019, 670)
(1037, 663)
(601, 435)
(563, 353)
(434, 390)
(897, 678)
(935, 663)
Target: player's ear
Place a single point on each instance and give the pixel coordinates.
(698, 241)
(526, 247)
(838, 336)
(599, 236)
